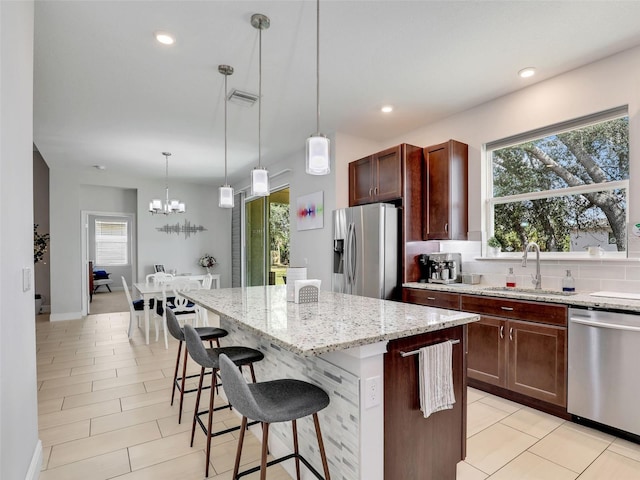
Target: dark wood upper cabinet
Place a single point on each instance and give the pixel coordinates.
(376, 178)
(446, 197)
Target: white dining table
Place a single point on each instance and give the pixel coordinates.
(151, 290)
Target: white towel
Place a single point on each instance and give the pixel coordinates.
(436, 378)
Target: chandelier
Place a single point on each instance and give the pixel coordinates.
(173, 206)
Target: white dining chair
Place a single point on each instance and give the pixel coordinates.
(172, 297)
(158, 278)
(207, 281)
(136, 309)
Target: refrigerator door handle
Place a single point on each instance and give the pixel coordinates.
(351, 242)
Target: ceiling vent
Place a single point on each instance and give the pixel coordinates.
(245, 99)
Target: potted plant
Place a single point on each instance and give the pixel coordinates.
(207, 261)
(493, 246)
(40, 244)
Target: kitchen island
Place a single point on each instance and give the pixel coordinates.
(341, 344)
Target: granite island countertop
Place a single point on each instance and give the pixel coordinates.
(336, 322)
(580, 299)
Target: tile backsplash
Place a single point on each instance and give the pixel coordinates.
(591, 274)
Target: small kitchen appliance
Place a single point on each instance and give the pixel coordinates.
(444, 268)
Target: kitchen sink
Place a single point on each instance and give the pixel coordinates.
(529, 291)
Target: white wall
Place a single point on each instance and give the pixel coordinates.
(20, 449)
(174, 251)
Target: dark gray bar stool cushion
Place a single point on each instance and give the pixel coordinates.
(205, 333)
(208, 357)
(271, 401)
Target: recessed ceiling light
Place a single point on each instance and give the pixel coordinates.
(165, 38)
(527, 72)
(99, 167)
(387, 109)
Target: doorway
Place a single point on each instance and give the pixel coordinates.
(108, 243)
(267, 239)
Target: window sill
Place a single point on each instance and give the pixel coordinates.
(562, 257)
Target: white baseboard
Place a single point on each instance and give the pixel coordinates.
(56, 317)
(36, 463)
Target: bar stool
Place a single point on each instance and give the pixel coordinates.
(208, 358)
(271, 402)
(206, 334)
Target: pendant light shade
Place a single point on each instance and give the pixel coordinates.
(225, 196)
(225, 192)
(259, 182)
(318, 161)
(174, 206)
(317, 155)
(259, 175)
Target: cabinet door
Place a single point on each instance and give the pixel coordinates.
(388, 174)
(487, 355)
(418, 448)
(437, 208)
(446, 200)
(538, 361)
(361, 181)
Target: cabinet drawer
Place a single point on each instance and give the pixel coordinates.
(516, 309)
(431, 298)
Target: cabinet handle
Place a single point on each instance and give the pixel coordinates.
(370, 191)
(511, 334)
(501, 331)
(431, 298)
(375, 190)
(508, 309)
(446, 228)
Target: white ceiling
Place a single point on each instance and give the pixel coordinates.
(106, 93)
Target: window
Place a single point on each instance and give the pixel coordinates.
(566, 187)
(112, 243)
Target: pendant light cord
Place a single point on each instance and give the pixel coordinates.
(166, 177)
(318, 66)
(225, 128)
(259, 94)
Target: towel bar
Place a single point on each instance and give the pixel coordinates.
(415, 352)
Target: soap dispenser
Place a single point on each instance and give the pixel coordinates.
(568, 283)
(511, 278)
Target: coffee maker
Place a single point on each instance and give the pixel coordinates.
(444, 268)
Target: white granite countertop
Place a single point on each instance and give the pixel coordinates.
(336, 322)
(581, 299)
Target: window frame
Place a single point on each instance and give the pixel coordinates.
(490, 201)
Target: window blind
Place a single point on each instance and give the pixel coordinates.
(112, 243)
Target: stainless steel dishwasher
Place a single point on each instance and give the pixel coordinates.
(604, 368)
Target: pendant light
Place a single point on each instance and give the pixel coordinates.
(259, 175)
(174, 206)
(225, 192)
(318, 161)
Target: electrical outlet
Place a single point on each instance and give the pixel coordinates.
(372, 394)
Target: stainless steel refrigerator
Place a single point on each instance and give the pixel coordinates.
(365, 250)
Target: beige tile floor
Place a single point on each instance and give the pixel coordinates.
(508, 441)
(104, 413)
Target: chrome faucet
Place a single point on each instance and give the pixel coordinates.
(537, 278)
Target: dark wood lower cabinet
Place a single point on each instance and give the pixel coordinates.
(487, 357)
(537, 361)
(418, 448)
(524, 357)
